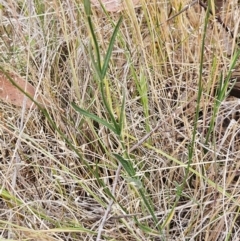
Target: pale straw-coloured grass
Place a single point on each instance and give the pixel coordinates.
(58, 166)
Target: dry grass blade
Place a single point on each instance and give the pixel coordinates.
(113, 5)
(60, 178)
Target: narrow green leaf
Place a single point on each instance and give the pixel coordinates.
(110, 48)
(127, 165)
(87, 7)
(147, 229)
(94, 117)
(96, 47)
(109, 110)
(221, 93)
(121, 121)
(95, 64)
(233, 64)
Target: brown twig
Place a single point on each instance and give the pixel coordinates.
(183, 10)
(203, 5)
(218, 18)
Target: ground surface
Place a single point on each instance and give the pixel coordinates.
(58, 166)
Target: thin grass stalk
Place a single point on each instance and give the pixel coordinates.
(191, 147)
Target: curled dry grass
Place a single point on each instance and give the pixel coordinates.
(51, 190)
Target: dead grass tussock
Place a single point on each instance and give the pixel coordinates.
(48, 193)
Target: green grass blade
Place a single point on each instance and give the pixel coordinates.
(87, 7)
(110, 48)
(221, 93)
(106, 104)
(94, 117)
(127, 165)
(122, 112)
(95, 43)
(95, 64)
